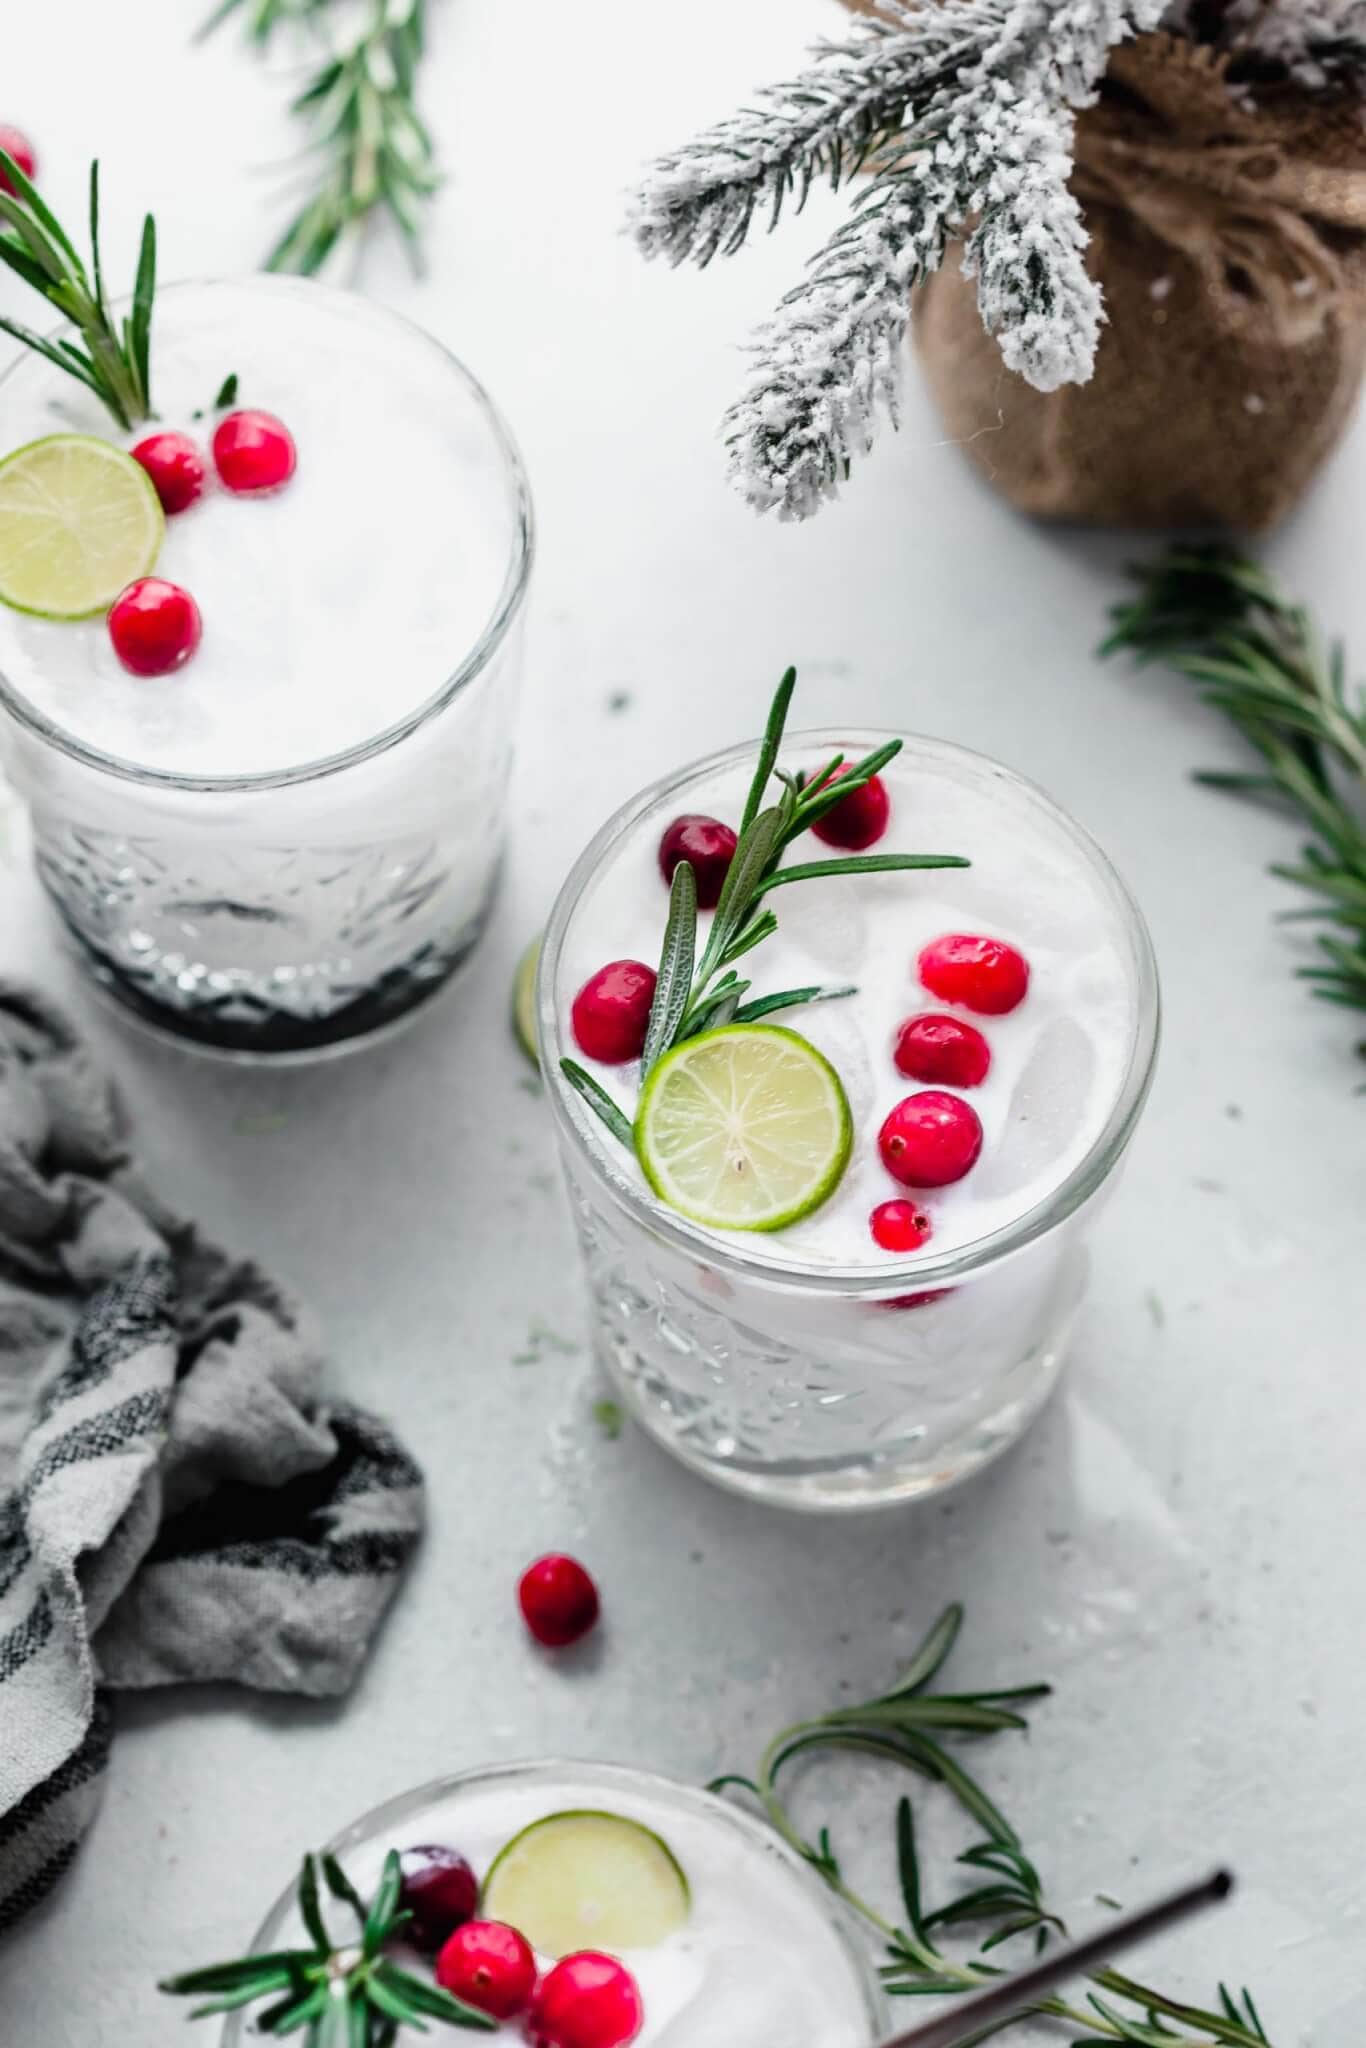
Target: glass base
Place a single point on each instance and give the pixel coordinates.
(245, 1026)
(910, 1470)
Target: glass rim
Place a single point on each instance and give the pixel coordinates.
(629, 1777)
(486, 645)
(581, 1128)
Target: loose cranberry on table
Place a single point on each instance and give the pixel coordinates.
(612, 1011)
(16, 144)
(708, 845)
(936, 1048)
(155, 626)
(982, 974)
(490, 1967)
(175, 466)
(899, 1226)
(558, 1599)
(441, 1892)
(587, 2001)
(253, 451)
(858, 820)
(930, 1139)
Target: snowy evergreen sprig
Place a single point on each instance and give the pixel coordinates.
(1318, 42)
(970, 106)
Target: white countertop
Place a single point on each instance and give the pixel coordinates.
(1178, 1544)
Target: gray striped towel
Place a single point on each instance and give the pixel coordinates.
(175, 1501)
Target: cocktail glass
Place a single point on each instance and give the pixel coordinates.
(834, 1386)
(297, 909)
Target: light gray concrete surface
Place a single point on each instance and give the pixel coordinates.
(1178, 1546)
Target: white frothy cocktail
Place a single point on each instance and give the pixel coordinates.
(762, 1955)
(294, 837)
(808, 1364)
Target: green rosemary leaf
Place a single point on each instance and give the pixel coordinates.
(304, 2015)
(227, 393)
(717, 1008)
(674, 982)
(23, 193)
(341, 1887)
(54, 353)
(384, 1904)
(908, 1867)
(247, 1994)
(822, 794)
(987, 1901)
(140, 320)
(965, 1789)
(764, 1006)
(729, 1779)
(432, 2000)
(757, 846)
(599, 1100)
(394, 2006)
(229, 1976)
(963, 1715)
(861, 864)
(931, 1654)
(1014, 1927)
(1128, 2028)
(309, 1910)
(358, 2029)
(768, 749)
(755, 930)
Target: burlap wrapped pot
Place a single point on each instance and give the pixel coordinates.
(1229, 236)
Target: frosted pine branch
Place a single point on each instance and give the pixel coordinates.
(703, 198)
(988, 135)
(1317, 41)
(970, 106)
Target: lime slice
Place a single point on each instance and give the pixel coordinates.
(587, 1880)
(745, 1128)
(524, 1002)
(79, 521)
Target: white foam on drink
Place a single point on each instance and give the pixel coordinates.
(332, 608)
(756, 1954)
(1059, 1061)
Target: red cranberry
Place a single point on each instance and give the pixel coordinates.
(489, 1966)
(440, 1891)
(175, 466)
(708, 845)
(930, 1139)
(558, 1599)
(155, 626)
(16, 144)
(921, 1300)
(934, 1048)
(857, 820)
(899, 1226)
(612, 1010)
(985, 975)
(587, 2001)
(253, 451)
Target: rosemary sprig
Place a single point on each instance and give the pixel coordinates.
(373, 149)
(335, 1996)
(910, 1726)
(112, 359)
(692, 995)
(1257, 656)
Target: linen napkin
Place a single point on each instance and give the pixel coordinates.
(176, 1500)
